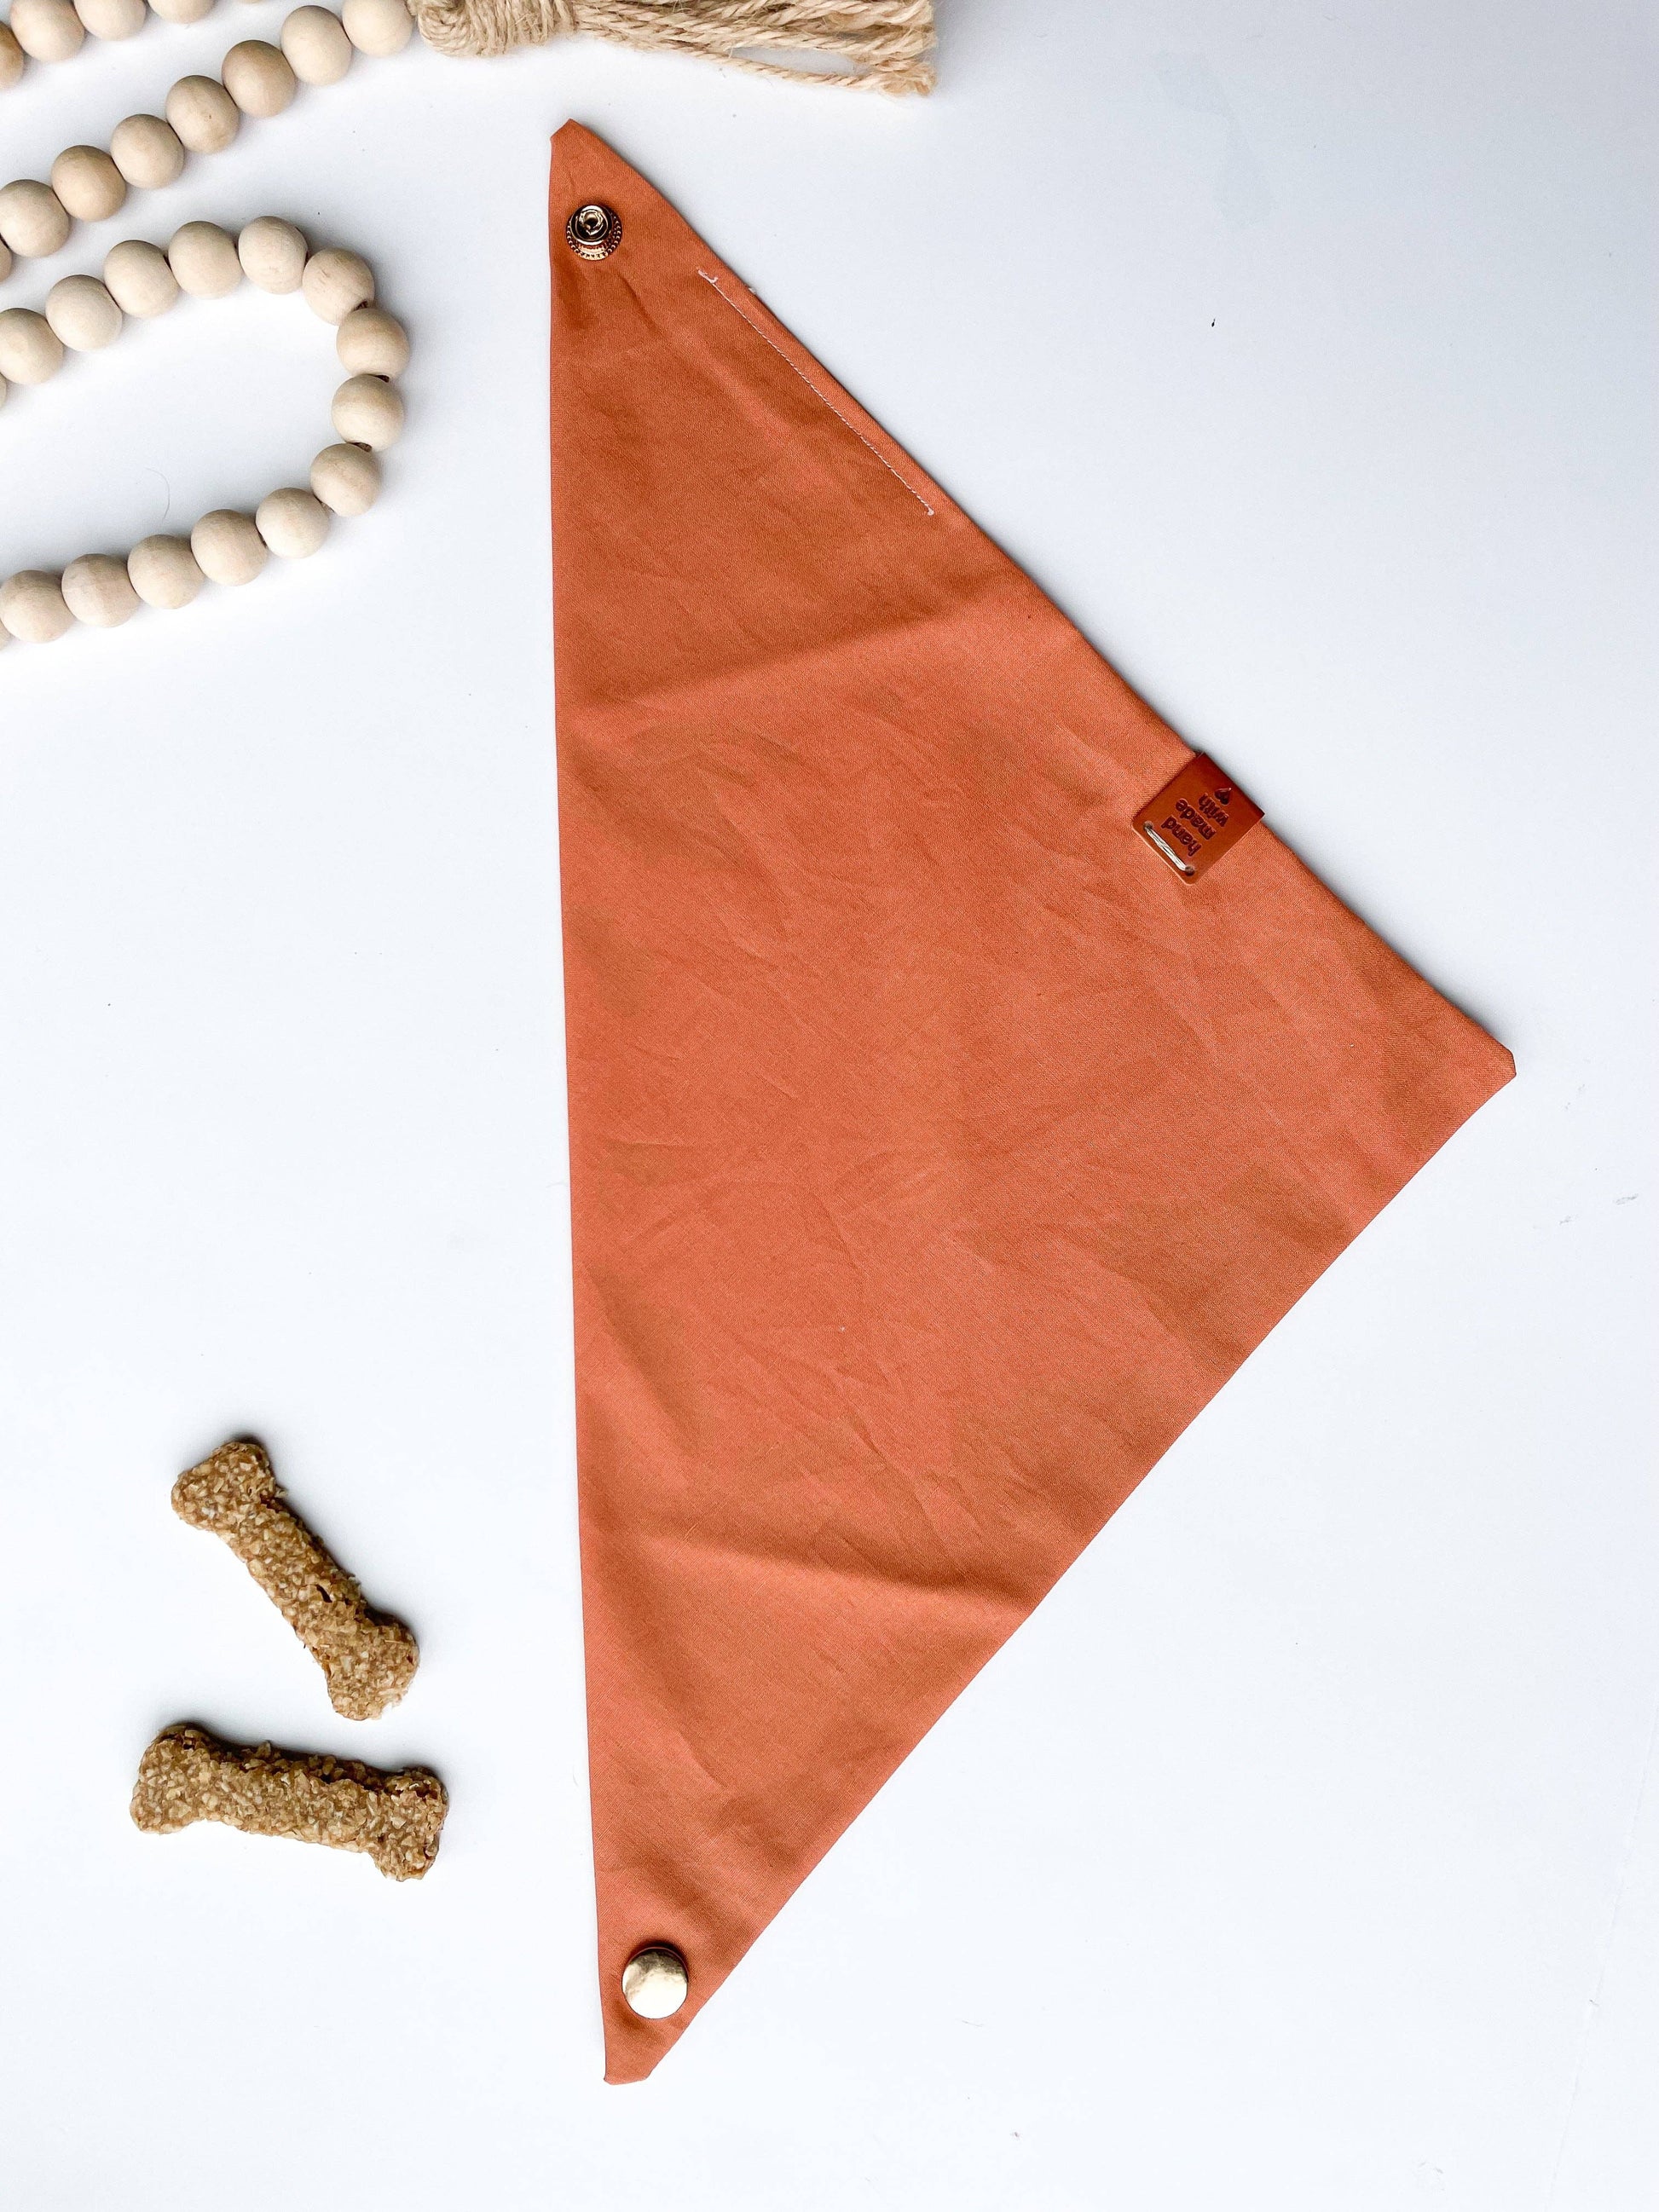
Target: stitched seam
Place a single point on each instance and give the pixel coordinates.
(714, 285)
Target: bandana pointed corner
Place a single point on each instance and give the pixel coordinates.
(962, 1081)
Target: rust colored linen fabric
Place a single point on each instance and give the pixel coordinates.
(937, 1152)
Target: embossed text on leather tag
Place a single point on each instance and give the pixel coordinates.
(1196, 818)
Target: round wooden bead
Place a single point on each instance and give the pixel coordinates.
(292, 522)
(13, 60)
(317, 49)
(113, 19)
(31, 606)
(228, 547)
(5, 261)
(336, 282)
(139, 278)
(148, 152)
(368, 411)
(203, 114)
(164, 572)
(84, 313)
(98, 590)
(47, 30)
(204, 259)
(372, 342)
(377, 26)
(257, 78)
(87, 184)
(181, 11)
(33, 220)
(272, 253)
(346, 479)
(30, 350)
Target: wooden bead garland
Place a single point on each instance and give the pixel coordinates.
(226, 547)
(203, 113)
(885, 43)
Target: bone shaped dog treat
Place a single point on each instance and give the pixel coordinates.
(187, 1775)
(366, 1658)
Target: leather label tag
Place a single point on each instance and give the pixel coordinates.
(1196, 818)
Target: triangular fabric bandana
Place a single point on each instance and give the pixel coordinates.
(948, 1119)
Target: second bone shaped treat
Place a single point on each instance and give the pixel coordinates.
(366, 1658)
(187, 1775)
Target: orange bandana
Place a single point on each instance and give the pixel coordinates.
(963, 1080)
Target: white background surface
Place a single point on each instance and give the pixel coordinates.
(1303, 1853)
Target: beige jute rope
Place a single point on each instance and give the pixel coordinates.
(887, 45)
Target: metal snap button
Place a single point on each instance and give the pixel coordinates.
(654, 1981)
(593, 231)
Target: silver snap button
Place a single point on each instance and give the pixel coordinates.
(593, 231)
(654, 1982)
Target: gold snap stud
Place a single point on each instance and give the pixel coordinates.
(654, 1982)
(593, 231)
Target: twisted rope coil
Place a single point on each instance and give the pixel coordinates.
(887, 45)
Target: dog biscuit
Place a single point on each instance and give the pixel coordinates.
(187, 1775)
(366, 1658)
